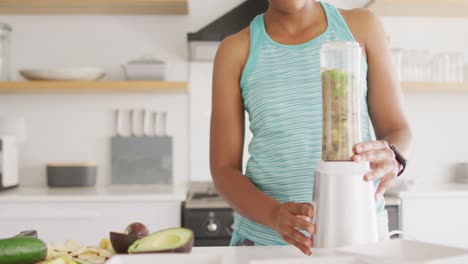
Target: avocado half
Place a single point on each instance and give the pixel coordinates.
(174, 240)
(121, 241)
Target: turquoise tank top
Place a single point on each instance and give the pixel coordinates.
(281, 91)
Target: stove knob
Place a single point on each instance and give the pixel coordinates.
(211, 226)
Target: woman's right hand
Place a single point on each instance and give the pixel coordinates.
(292, 217)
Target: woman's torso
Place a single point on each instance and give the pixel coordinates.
(281, 91)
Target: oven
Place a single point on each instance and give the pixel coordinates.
(207, 215)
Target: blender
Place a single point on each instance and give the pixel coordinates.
(345, 211)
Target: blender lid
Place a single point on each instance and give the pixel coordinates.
(4, 26)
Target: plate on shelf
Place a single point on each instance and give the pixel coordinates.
(63, 74)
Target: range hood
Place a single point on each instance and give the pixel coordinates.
(204, 43)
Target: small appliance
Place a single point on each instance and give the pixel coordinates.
(8, 162)
(207, 215)
(12, 133)
(345, 212)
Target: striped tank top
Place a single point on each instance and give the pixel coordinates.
(282, 93)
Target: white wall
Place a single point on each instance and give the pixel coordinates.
(438, 119)
(109, 41)
(77, 127)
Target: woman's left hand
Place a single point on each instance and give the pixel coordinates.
(382, 161)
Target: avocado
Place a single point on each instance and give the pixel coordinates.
(25, 250)
(121, 241)
(137, 229)
(174, 240)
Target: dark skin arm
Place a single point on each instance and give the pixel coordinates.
(384, 101)
(226, 148)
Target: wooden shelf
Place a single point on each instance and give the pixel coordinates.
(61, 7)
(91, 87)
(434, 87)
(420, 7)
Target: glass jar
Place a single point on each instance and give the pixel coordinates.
(341, 98)
(5, 39)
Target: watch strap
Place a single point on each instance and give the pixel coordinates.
(399, 157)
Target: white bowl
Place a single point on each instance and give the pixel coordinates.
(63, 74)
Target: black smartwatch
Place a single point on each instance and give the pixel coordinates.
(399, 158)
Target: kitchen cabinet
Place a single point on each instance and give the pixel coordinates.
(436, 216)
(420, 7)
(89, 216)
(91, 86)
(166, 7)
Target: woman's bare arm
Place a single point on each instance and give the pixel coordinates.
(227, 136)
(384, 100)
(226, 148)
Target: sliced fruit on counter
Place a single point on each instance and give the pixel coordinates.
(174, 240)
(23, 250)
(137, 229)
(106, 244)
(60, 260)
(81, 254)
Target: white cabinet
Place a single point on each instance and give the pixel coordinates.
(86, 222)
(439, 217)
(88, 214)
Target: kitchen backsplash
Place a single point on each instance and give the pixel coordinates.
(79, 127)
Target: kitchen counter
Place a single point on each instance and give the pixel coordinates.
(88, 214)
(446, 190)
(443, 190)
(117, 193)
(226, 255)
(243, 255)
(391, 251)
(112, 193)
(98, 193)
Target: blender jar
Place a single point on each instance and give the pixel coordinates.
(5, 35)
(341, 97)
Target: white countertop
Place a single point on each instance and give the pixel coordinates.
(389, 251)
(109, 193)
(225, 255)
(243, 255)
(443, 190)
(98, 193)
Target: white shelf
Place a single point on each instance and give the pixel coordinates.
(420, 7)
(71, 7)
(91, 87)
